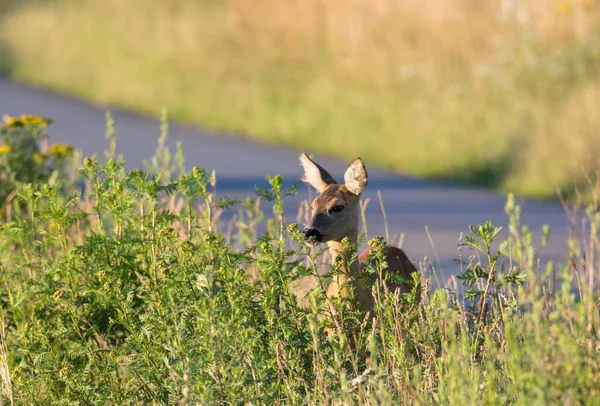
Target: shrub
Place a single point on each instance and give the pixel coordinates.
(131, 292)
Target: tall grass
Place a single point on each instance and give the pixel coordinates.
(498, 93)
(130, 290)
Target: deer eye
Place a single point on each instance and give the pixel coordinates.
(336, 209)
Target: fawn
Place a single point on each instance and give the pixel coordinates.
(335, 214)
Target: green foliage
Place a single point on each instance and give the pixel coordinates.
(275, 195)
(131, 292)
(25, 156)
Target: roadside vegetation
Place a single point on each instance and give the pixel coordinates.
(128, 288)
(498, 93)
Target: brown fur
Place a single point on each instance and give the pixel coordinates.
(333, 226)
(397, 262)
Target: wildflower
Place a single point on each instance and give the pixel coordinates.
(25, 119)
(10, 121)
(5, 149)
(35, 120)
(60, 149)
(64, 372)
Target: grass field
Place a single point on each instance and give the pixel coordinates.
(132, 291)
(499, 93)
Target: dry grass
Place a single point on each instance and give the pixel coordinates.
(492, 93)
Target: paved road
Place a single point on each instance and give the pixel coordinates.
(411, 204)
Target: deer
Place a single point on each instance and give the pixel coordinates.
(335, 216)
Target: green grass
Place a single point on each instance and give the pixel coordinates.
(462, 92)
(135, 292)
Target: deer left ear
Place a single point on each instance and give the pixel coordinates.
(356, 178)
(314, 174)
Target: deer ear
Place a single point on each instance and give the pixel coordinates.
(356, 178)
(314, 174)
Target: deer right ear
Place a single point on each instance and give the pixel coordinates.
(314, 174)
(356, 177)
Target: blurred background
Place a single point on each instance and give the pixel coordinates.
(497, 93)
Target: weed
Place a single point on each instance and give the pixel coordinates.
(133, 291)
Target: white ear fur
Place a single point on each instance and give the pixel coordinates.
(356, 177)
(314, 174)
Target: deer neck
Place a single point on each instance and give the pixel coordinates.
(336, 249)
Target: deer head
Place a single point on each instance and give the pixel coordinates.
(335, 211)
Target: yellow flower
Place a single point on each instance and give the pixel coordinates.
(64, 372)
(35, 120)
(5, 149)
(25, 119)
(9, 121)
(60, 149)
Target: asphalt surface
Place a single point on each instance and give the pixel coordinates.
(430, 215)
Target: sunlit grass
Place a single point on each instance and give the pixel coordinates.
(134, 290)
(499, 93)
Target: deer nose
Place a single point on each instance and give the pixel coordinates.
(312, 232)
